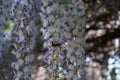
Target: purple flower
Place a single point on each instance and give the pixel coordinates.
(46, 57)
(52, 50)
(61, 27)
(44, 27)
(12, 17)
(29, 49)
(67, 23)
(62, 53)
(82, 75)
(22, 19)
(2, 24)
(1, 34)
(29, 6)
(64, 39)
(22, 42)
(17, 1)
(42, 38)
(71, 79)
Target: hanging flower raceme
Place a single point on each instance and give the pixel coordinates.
(25, 34)
(63, 29)
(62, 37)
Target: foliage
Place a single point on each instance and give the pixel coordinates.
(102, 34)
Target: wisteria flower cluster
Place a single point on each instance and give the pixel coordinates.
(63, 30)
(53, 27)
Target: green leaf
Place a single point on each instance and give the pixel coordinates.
(9, 25)
(54, 56)
(67, 1)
